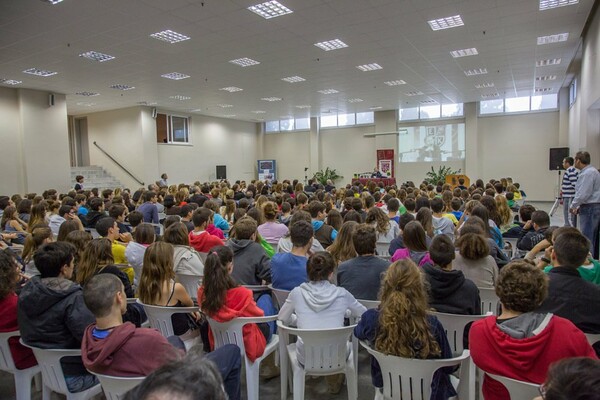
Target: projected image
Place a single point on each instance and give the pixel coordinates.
(431, 143)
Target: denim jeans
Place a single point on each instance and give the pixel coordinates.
(229, 363)
(79, 383)
(589, 224)
(570, 219)
(265, 303)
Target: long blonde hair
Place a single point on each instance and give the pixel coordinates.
(403, 327)
(158, 270)
(342, 248)
(503, 211)
(377, 218)
(96, 256)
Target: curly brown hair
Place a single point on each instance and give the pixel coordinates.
(8, 275)
(473, 246)
(521, 286)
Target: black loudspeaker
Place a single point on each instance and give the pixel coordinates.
(557, 155)
(221, 172)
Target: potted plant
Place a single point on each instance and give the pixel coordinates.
(433, 176)
(323, 175)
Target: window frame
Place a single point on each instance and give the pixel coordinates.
(170, 133)
(529, 111)
(338, 126)
(441, 113)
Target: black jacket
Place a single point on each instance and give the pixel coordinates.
(450, 292)
(528, 239)
(93, 217)
(52, 315)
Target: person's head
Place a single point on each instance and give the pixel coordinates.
(422, 202)
(79, 239)
(107, 227)
(24, 206)
(393, 205)
(55, 260)
(105, 294)
(202, 217)
(525, 212)
(97, 255)
(79, 178)
(568, 162)
(413, 236)
(270, 211)
(135, 218)
(96, 204)
(245, 228)
(473, 246)
(9, 274)
(217, 279)
(353, 216)
(66, 228)
(521, 287)
(301, 234)
(334, 219)
(164, 176)
(158, 269)
(342, 248)
(570, 249)
(481, 212)
(437, 205)
(582, 159)
(540, 219)
(576, 378)
(405, 219)
(425, 218)
(461, 181)
(177, 234)
(364, 239)
(144, 234)
(40, 234)
(317, 210)
(442, 251)
(456, 203)
(186, 211)
(150, 196)
(403, 327)
(357, 204)
(320, 266)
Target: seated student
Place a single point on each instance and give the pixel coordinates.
(456, 204)
(415, 243)
(218, 220)
(387, 229)
(51, 311)
(402, 327)
(361, 276)
(119, 212)
(108, 228)
(135, 219)
(56, 220)
(143, 237)
(398, 242)
(525, 213)
(449, 291)
(319, 304)
(252, 266)
(575, 378)
(441, 224)
(10, 277)
(96, 212)
(186, 260)
(477, 226)
(288, 270)
(149, 209)
(569, 296)
(271, 230)
(286, 213)
(512, 204)
(324, 233)
(521, 343)
(393, 205)
(540, 221)
(186, 214)
(474, 261)
(200, 239)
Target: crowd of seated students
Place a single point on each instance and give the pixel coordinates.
(413, 248)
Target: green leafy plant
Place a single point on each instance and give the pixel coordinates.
(323, 175)
(433, 176)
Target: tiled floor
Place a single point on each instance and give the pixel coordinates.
(270, 390)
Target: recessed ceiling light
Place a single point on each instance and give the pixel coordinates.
(476, 71)
(196, 110)
(231, 89)
(546, 78)
(303, 106)
(329, 45)
(225, 105)
(544, 63)
(169, 36)
(428, 102)
(39, 72)
(270, 9)
(10, 82)
(180, 97)
(464, 52)
(86, 104)
(293, 79)
(446, 23)
(395, 83)
(540, 90)
(176, 76)
(375, 108)
(328, 91)
(146, 103)
(88, 94)
(259, 112)
(489, 95)
(95, 56)
(271, 98)
(53, 2)
(244, 62)
(484, 85)
(369, 67)
(122, 87)
(414, 93)
(357, 100)
(559, 37)
(548, 4)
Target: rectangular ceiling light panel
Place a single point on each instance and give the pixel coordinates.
(11, 82)
(176, 76)
(170, 36)
(545, 63)
(395, 83)
(270, 9)
(476, 71)
(329, 45)
(39, 72)
(549, 4)
(271, 99)
(369, 67)
(484, 85)
(122, 87)
(328, 91)
(96, 56)
(559, 37)
(293, 79)
(464, 52)
(446, 23)
(244, 62)
(231, 89)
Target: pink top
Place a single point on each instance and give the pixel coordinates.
(272, 232)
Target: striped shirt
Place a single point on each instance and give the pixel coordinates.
(569, 181)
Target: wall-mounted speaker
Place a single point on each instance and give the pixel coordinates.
(51, 99)
(154, 112)
(557, 155)
(221, 172)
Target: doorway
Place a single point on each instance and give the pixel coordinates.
(78, 142)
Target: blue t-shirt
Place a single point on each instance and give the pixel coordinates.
(288, 271)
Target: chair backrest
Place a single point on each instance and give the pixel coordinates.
(592, 338)
(203, 257)
(325, 350)
(230, 332)
(454, 325)
(191, 283)
(94, 232)
(369, 304)
(408, 378)
(116, 387)
(518, 390)
(513, 246)
(280, 295)
(6, 360)
(159, 228)
(49, 362)
(383, 249)
(160, 317)
(257, 288)
(489, 301)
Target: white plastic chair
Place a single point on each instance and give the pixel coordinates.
(592, 338)
(280, 295)
(513, 246)
(231, 333)
(383, 249)
(94, 232)
(52, 375)
(409, 378)
(258, 288)
(161, 228)
(326, 352)
(518, 390)
(22, 376)
(454, 326)
(191, 283)
(489, 301)
(160, 317)
(115, 387)
(369, 304)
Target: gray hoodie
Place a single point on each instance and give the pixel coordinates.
(187, 261)
(250, 262)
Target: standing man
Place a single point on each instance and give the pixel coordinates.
(586, 202)
(568, 190)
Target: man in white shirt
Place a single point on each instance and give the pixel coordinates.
(586, 202)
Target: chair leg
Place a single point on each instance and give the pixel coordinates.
(299, 381)
(37, 381)
(252, 380)
(283, 368)
(46, 393)
(23, 386)
(352, 383)
(378, 394)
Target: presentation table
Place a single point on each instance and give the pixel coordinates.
(364, 181)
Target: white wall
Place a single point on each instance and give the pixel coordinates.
(11, 162)
(291, 151)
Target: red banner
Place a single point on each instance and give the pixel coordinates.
(383, 155)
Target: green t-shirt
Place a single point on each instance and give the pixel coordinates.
(590, 273)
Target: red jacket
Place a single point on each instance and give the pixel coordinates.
(239, 302)
(22, 356)
(526, 359)
(204, 241)
(213, 230)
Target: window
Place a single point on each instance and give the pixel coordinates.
(491, 106)
(516, 104)
(365, 118)
(332, 121)
(429, 112)
(434, 111)
(519, 104)
(287, 125)
(172, 129)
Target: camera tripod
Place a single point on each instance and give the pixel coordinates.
(558, 197)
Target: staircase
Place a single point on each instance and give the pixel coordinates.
(94, 177)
